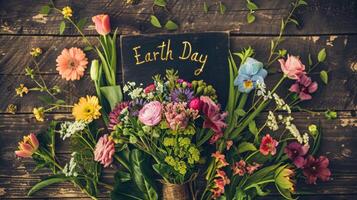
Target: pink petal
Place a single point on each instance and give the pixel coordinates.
(23, 154)
(303, 96)
(313, 87)
(294, 88)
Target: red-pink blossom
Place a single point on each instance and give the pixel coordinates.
(27, 146)
(149, 88)
(296, 153)
(316, 168)
(268, 145)
(214, 119)
(195, 104)
(220, 159)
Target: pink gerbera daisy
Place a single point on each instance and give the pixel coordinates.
(71, 63)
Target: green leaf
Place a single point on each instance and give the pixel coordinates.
(170, 25)
(222, 8)
(302, 2)
(309, 60)
(205, 7)
(161, 3)
(322, 55)
(140, 174)
(246, 146)
(62, 27)
(253, 128)
(250, 18)
(46, 99)
(155, 21)
(60, 101)
(81, 23)
(45, 10)
(113, 94)
(251, 5)
(240, 112)
(88, 48)
(294, 21)
(47, 182)
(324, 76)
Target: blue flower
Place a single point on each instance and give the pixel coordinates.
(250, 72)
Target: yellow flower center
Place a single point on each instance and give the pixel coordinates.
(248, 84)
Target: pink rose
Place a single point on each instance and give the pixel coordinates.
(292, 67)
(150, 114)
(195, 104)
(102, 24)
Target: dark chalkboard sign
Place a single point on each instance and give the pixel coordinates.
(195, 55)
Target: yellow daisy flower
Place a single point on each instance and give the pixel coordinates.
(21, 90)
(39, 114)
(67, 12)
(86, 109)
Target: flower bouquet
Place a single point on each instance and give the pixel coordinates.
(168, 120)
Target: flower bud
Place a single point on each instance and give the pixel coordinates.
(313, 130)
(94, 70)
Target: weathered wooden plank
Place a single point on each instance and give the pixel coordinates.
(341, 62)
(338, 138)
(15, 52)
(8, 83)
(320, 17)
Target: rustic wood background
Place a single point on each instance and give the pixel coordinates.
(329, 24)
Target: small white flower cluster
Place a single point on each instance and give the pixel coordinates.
(70, 128)
(134, 92)
(261, 91)
(271, 122)
(280, 103)
(294, 131)
(70, 168)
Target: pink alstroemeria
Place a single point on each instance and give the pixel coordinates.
(304, 87)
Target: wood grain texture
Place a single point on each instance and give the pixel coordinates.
(326, 24)
(16, 176)
(319, 17)
(339, 94)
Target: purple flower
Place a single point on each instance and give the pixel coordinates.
(181, 95)
(114, 116)
(296, 153)
(135, 106)
(304, 87)
(316, 168)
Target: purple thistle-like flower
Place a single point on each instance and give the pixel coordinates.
(135, 106)
(114, 116)
(181, 95)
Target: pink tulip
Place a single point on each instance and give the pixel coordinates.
(28, 146)
(292, 67)
(150, 114)
(102, 24)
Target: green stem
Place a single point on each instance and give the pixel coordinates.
(260, 183)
